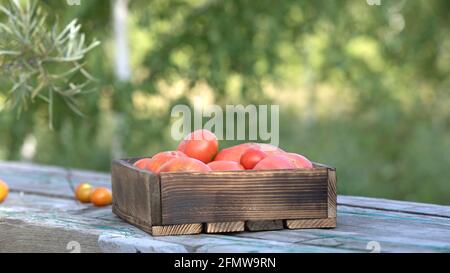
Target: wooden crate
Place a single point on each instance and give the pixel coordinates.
(228, 201)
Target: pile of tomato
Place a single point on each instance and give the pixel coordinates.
(86, 193)
(199, 152)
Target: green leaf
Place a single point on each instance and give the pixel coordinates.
(34, 49)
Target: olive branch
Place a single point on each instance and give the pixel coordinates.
(42, 62)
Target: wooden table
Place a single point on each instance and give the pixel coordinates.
(40, 215)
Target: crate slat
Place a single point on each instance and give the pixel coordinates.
(183, 229)
(224, 227)
(264, 225)
(311, 223)
(332, 196)
(136, 193)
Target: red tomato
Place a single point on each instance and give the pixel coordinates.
(299, 160)
(270, 149)
(251, 157)
(233, 153)
(225, 166)
(142, 163)
(201, 145)
(160, 158)
(275, 162)
(184, 164)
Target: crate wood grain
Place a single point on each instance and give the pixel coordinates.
(264, 225)
(221, 202)
(225, 227)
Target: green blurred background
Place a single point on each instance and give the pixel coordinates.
(364, 88)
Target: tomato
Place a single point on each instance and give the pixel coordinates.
(142, 163)
(274, 162)
(270, 149)
(299, 160)
(201, 145)
(101, 197)
(225, 166)
(251, 157)
(184, 164)
(83, 192)
(4, 189)
(233, 153)
(160, 158)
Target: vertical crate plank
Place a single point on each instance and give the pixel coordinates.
(118, 187)
(332, 196)
(223, 227)
(330, 221)
(136, 195)
(155, 199)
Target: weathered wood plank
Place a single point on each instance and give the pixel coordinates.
(356, 227)
(50, 184)
(18, 236)
(47, 180)
(203, 243)
(396, 227)
(154, 192)
(393, 205)
(332, 193)
(133, 198)
(243, 196)
(138, 244)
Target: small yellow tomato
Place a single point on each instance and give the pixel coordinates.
(3, 191)
(83, 192)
